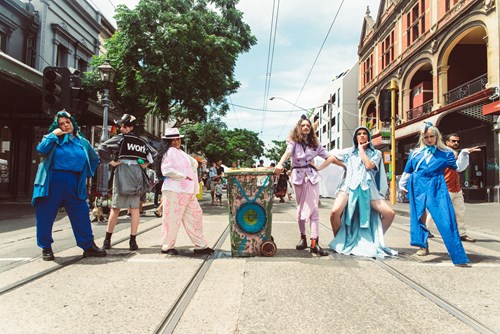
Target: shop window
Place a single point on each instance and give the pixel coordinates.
(5, 159)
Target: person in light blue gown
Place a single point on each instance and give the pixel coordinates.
(423, 180)
(360, 215)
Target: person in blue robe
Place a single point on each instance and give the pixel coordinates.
(423, 180)
(360, 215)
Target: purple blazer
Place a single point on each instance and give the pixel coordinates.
(300, 156)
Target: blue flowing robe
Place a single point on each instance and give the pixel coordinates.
(427, 190)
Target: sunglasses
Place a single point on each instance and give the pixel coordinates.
(455, 141)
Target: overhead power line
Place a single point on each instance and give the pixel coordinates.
(314, 64)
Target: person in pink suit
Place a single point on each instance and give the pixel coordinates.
(179, 190)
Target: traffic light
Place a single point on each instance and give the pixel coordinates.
(56, 84)
(79, 98)
(385, 108)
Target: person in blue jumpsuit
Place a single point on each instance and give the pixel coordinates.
(423, 180)
(360, 215)
(61, 182)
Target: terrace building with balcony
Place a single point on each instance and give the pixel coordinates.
(443, 57)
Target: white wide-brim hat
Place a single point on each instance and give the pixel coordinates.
(172, 133)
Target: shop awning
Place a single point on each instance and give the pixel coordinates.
(492, 108)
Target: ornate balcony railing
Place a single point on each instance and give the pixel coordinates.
(474, 86)
(419, 111)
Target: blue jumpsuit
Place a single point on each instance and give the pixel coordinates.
(427, 190)
(61, 182)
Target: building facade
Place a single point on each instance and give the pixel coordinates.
(338, 116)
(442, 56)
(33, 35)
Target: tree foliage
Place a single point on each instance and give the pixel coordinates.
(214, 141)
(176, 58)
(275, 152)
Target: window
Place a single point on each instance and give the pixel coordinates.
(62, 56)
(338, 100)
(415, 22)
(332, 144)
(332, 121)
(368, 70)
(82, 65)
(3, 41)
(449, 4)
(388, 50)
(338, 123)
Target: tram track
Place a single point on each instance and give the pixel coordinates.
(435, 299)
(175, 313)
(468, 320)
(73, 260)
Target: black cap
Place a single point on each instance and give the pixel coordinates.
(127, 120)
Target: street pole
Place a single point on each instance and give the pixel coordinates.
(103, 169)
(393, 141)
(107, 73)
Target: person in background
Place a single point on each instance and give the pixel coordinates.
(289, 188)
(453, 183)
(133, 155)
(360, 215)
(423, 181)
(212, 176)
(302, 147)
(179, 190)
(281, 186)
(218, 191)
(61, 182)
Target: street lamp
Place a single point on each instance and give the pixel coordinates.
(293, 104)
(107, 73)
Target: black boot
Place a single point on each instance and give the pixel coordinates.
(107, 241)
(132, 243)
(302, 243)
(94, 251)
(48, 254)
(315, 248)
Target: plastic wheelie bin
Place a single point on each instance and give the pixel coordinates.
(250, 197)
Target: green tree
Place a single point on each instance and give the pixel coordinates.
(214, 141)
(243, 145)
(176, 58)
(275, 152)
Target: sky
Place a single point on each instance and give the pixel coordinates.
(314, 41)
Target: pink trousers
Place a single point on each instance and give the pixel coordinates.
(181, 208)
(307, 197)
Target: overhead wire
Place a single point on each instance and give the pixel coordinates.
(270, 58)
(313, 65)
(234, 111)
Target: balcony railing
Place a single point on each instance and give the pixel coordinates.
(419, 111)
(474, 86)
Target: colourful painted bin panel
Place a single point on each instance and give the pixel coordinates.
(250, 194)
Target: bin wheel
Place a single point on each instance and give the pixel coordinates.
(268, 248)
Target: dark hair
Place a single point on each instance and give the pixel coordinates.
(165, 145)
(447, 138)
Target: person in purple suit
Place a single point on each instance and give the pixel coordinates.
(302, 147)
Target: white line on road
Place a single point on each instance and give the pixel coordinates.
(15, 259)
